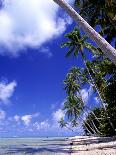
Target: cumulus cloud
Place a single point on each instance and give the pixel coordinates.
(26, 119)
(2, 115)
(6, 91)
(17, 118)
(28, 23)
(44, 125)
(57, 115)
(86, 94)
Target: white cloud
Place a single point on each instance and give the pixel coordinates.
(97, 100)
(2, 114)
(44, 125)
(57, 115)
(17, 118)
(26, 119)
(6, 91)
(86, 94)
(29, 23)
(50, 124)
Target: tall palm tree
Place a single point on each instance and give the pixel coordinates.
(74, 105)
(77, 44)
(106, 48)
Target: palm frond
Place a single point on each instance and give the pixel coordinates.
(70, 51)
(91, 47)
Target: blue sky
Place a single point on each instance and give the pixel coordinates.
(33, 67)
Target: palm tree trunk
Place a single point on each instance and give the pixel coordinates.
(103, 104)
(94, 132)
(96, 128)
(96, 118)
(92, 81)
(87, 129)
(87, 125)
(92, 113)
(93, 126)
(106, 48)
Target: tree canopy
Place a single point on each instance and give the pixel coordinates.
(98, 72)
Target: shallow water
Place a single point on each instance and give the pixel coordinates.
(34, 146)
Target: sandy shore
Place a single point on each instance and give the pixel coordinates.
(58, 146)
(86, 145)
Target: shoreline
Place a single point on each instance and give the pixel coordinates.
(78, 145)
(90, 145)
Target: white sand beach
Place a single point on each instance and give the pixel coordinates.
(85, 145)
(79, 145)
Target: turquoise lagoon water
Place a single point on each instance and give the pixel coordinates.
(34, 146)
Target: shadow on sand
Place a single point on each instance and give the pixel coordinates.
(50, 148)
(96, 140)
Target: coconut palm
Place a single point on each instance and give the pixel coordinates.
(106, 48)
(74, 105)
(73, 80)
(77, 44)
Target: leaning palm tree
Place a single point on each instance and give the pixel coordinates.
(77, 44)
(74, 105)
(106, 48)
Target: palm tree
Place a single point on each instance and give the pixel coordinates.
(106, 48)
(74, 105)
(77, 44)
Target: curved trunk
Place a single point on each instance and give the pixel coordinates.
(96, 128)
(87, 129)
(86, 124)
(94, 123)
(93, 126)
(103, 104)
(93, 114)
(96, 118)
(106, 48)
(94, 132)
(92, 81)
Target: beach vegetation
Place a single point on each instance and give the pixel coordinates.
(97, 72)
